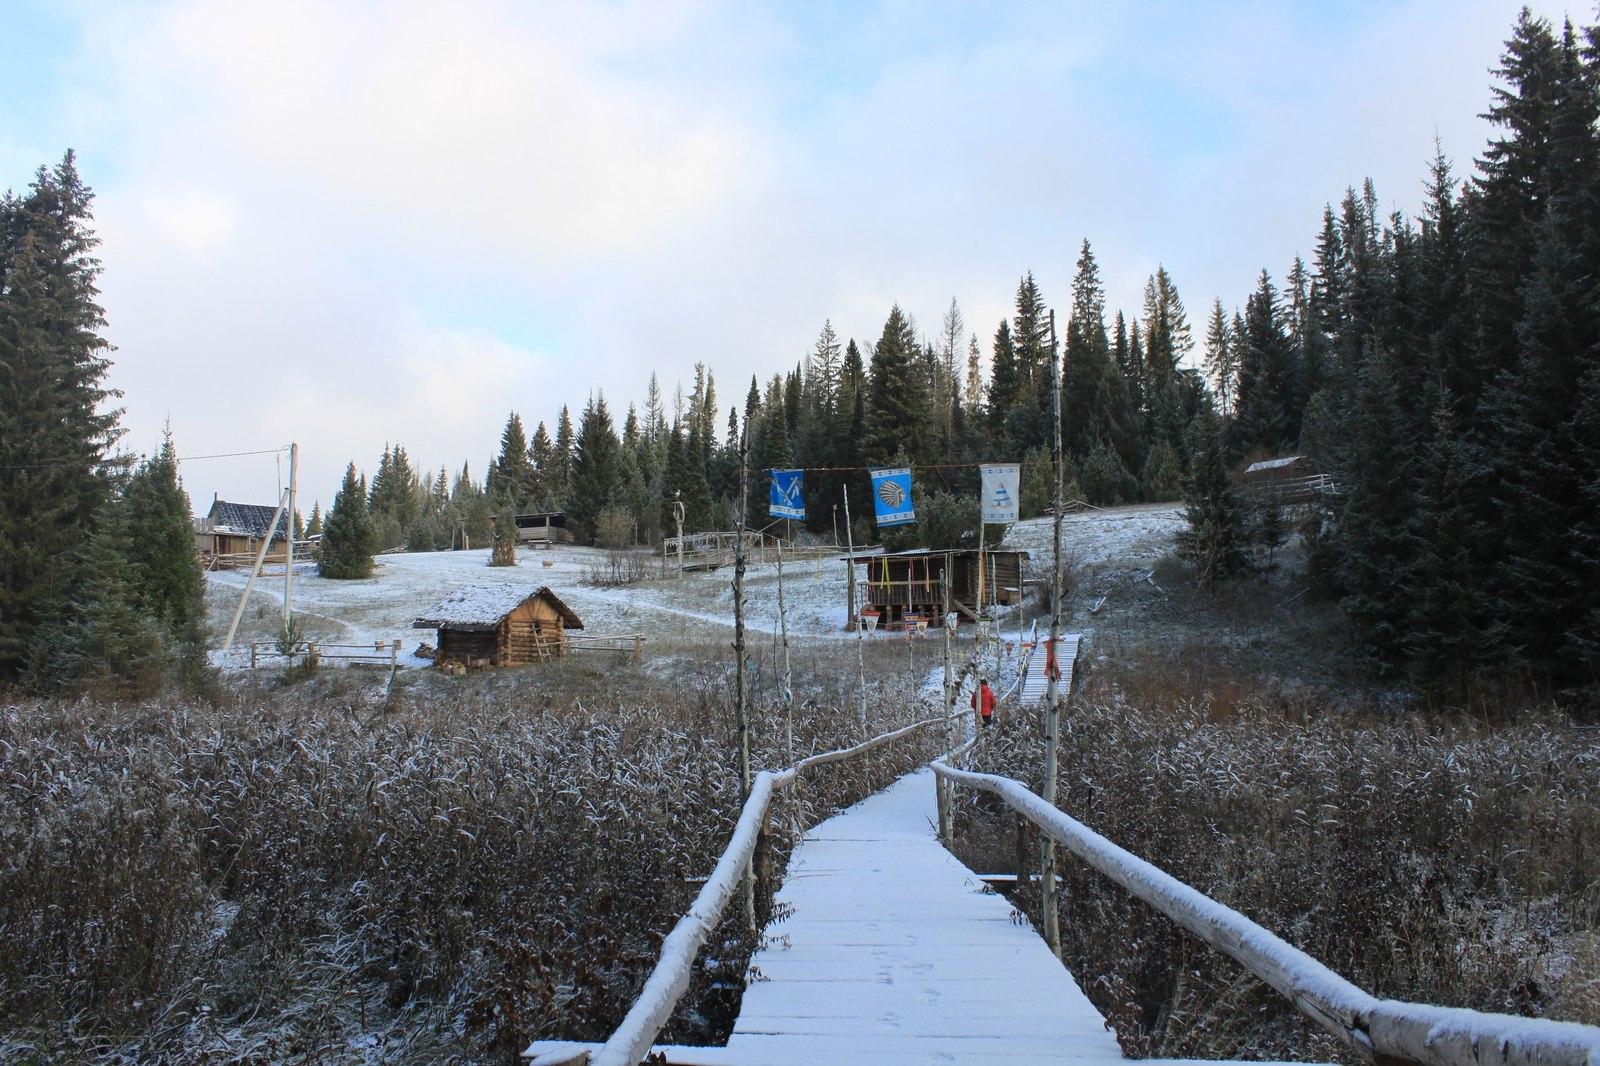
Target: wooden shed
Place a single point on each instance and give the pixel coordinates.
(233, 532)
(1289, 479)
(503, 625)
(543, 529)
(913, 582)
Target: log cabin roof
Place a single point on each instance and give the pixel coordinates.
(1274, 464)
(246, 519)
(486, 606)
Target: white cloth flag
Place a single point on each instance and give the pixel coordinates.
(1000, 488)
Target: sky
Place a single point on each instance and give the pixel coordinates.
(349, 225)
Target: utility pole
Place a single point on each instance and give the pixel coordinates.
(288, 565)
(1052, 696)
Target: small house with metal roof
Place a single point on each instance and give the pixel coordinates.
(233, 532)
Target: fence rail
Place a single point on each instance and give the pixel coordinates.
(630, 642)
(633, 1038)
(1381, 1031)
(377, 652)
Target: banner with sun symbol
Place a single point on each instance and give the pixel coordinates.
(891, 496)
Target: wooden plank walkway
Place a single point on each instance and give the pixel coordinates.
(1033, 688)
(894, 954)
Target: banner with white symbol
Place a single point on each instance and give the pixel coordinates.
(787, 498)
(1000, 490)
(891, 496)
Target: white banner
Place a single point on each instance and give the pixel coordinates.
(1000, 488)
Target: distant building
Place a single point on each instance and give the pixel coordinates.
(913, 582)
(545, 528)
(500, 625)
(1290, 479)
(232, 533)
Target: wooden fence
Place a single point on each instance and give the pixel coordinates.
(1380, 1031)
(630, 1043)
(376, 652)
(629, 642)
(1384, 1032)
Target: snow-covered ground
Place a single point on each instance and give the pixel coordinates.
(405, 587)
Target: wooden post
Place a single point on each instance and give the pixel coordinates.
(1022, 853)
(788, 688)
(638, 646)
(252, 655)
(288, 525)
(861, 663)
(255, 570)
(1052, 698)
(677, 515)
(949, 708)
(741, 690)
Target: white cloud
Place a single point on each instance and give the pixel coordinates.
(345, 223)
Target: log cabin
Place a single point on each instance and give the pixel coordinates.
(500, 625)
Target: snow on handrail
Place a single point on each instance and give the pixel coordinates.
(631, 1041)
(1022, 675)
(1377, 1029)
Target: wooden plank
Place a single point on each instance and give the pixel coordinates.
(895, 952)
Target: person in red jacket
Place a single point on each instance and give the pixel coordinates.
(983, 700)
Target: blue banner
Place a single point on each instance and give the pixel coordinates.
(786, 498)
(891, 496)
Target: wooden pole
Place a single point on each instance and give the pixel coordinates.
(788, 688)
(288, 559)
(855, 619)
(1052, 697)
(741, 690)
(943, 795)
(677, 515)
(255, 569)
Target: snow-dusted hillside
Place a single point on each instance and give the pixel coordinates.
(405, 586)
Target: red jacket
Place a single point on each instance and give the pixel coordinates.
(983, 701)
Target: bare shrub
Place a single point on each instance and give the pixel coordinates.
(619, 567)
(446, 875)
(1439, 861)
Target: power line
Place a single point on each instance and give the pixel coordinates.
(129, 457)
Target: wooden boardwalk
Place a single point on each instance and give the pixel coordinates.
(1037, 681)
(895, 954)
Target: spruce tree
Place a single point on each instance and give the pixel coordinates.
(163, 570)
(56, 432)
(348, 539)
(1215, 543)
(596, 470)
(897, 408)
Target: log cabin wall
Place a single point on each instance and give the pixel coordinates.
(468, 645)
(532, 632)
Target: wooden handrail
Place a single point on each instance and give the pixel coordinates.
(631, 1041)
(1381, 1030)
